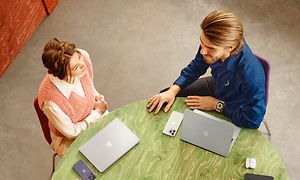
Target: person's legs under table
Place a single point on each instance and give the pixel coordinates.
(200, 87)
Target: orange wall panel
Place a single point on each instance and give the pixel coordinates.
(18, 21)
(49, 5)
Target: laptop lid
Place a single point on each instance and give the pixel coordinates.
(208, 132)
(109, 144)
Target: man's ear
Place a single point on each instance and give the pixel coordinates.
(229, 48)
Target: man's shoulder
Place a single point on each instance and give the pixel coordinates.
(249, 68)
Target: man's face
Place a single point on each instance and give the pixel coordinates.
(212, 53)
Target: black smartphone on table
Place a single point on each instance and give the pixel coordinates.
(250, 176)
(84, 171)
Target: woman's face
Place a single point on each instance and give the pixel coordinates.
(77, 65)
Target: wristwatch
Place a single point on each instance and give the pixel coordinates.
(220, 106)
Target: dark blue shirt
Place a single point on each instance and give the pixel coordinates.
(239, 81)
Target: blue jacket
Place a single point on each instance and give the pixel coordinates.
(239, 81)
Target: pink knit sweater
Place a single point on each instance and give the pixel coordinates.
(76, 107)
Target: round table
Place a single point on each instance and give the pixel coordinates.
(158, 156)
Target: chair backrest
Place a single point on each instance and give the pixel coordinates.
(43, 121)
(266, 67)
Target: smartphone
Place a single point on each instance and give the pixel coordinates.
(173, 123)
(84, 171)
(250, 176)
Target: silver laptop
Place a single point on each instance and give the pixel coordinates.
(109, 144)
(208, 132)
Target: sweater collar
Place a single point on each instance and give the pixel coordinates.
(63, 86)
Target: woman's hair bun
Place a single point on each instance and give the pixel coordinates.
(56, 57)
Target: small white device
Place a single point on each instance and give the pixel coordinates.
(250, 163)
(173, 124)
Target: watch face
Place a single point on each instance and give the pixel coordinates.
(219, 105)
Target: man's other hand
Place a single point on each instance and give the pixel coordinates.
(201, 102)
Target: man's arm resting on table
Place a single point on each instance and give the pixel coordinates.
(250, 114)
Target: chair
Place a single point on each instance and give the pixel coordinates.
(266, 67)
(45, 127)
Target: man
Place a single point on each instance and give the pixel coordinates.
(237, 85)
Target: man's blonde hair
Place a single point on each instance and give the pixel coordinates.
(223, 28)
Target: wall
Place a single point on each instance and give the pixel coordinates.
(18, 20)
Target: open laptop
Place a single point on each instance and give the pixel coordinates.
(208, 132)
(109, 144)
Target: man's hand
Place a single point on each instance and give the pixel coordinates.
(159, 99)
(201, 102)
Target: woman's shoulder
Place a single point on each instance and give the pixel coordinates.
(84, 53)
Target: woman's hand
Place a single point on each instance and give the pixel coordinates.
(100, 104)
(98, 97)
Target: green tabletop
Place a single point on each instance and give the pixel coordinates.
(158, 156)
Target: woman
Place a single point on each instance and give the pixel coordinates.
(67, 94)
